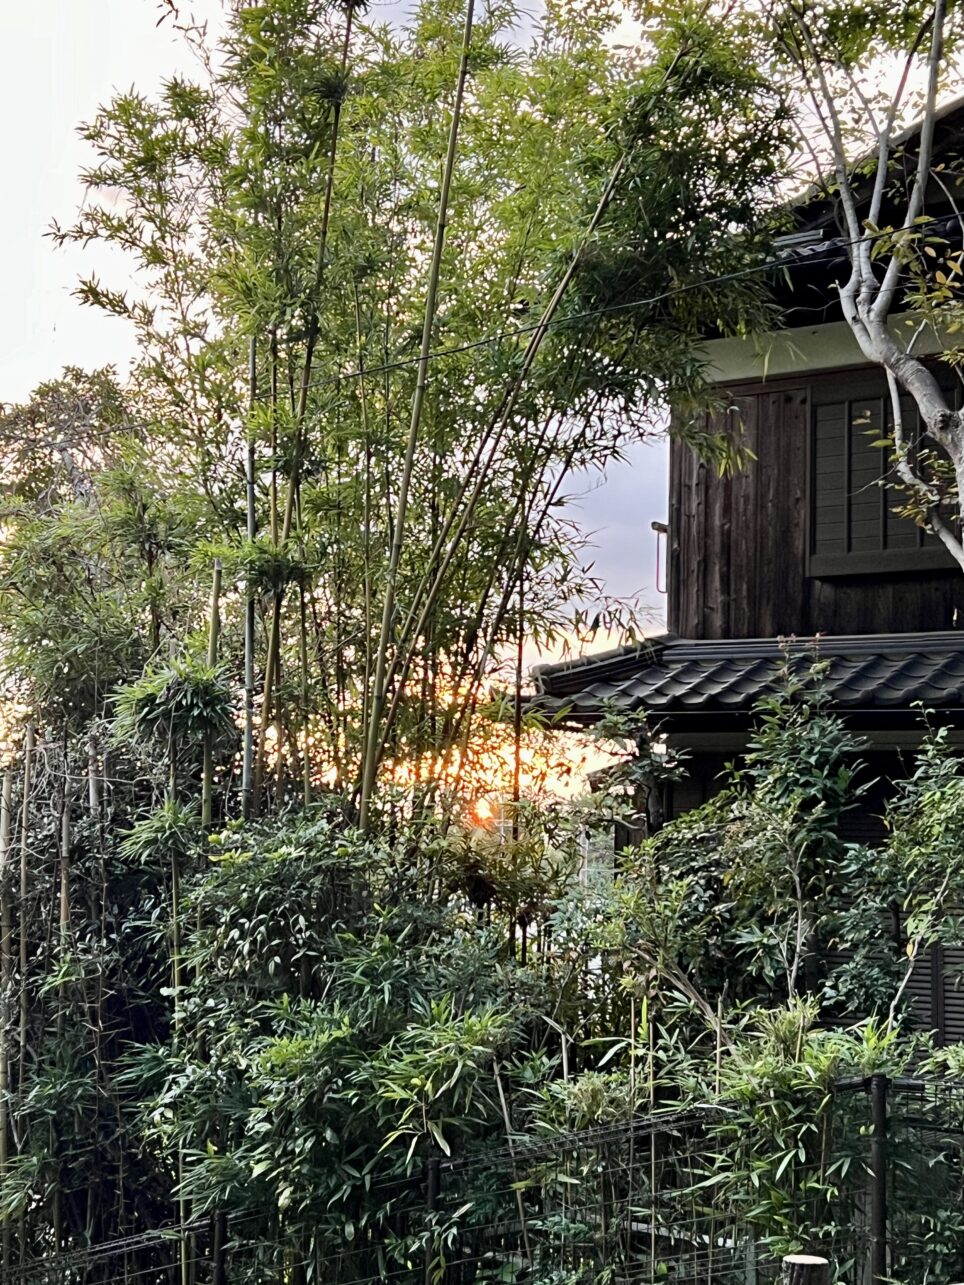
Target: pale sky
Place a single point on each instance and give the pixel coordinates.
(64, 59)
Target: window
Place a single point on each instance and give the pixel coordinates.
(853, 527)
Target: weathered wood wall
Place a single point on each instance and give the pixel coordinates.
(740, 545)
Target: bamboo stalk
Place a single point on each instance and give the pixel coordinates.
(28, 747)
(176, 979)
(65, 866)
(6, 988)
(93, 785)
(517, 715)
(247, 758)
(477, 473)
(303, 646)
(370, 764)
(367, 512)
(274, 638)
(24, 930)
(214, 633)
(507, 1120)
(273, 483)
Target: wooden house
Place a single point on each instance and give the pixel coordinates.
(802, 542)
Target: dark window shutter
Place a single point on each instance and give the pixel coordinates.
(854, 528)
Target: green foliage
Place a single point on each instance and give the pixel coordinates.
(686, 217)
(177, 704)
(281, 1019)
(169, 834)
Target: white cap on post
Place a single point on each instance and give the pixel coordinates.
(805, 1269)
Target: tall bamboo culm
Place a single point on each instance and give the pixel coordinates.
(250, 606)
(371, 756)
(214, 634)
(6, 993)
(28, 747)
(301, 410)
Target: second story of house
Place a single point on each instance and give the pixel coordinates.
(807, 537)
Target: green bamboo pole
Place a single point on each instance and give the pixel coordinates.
(370, 764)
(274, 637)
(367, 516)
(214, 634)
(65, 865)
(28, 747)
(6, 988)
(476, 474)
(250, 607)
(303, 647)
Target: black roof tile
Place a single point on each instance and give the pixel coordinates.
(667, 674)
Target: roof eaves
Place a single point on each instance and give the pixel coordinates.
(560, 678)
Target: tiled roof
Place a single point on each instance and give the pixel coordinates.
(673, 675)
(816, 248)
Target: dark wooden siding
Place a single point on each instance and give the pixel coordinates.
(740, 546)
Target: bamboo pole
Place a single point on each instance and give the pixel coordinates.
(274, 637)
(65, 866)
(303, 647)
(476, 474)
(28, 748)
(64, 938)
(6, 988)
(176, 978)
(247, 758)
(370, 764)
(214, 633)
(367, 511)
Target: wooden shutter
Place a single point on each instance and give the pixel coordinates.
(854, 528)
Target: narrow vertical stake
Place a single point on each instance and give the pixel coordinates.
(878, 1179)
(433, 1176)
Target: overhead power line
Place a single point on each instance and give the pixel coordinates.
(512, 332)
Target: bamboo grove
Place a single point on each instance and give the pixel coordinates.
(396, 293)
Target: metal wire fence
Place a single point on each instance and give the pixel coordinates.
(880, 1193)
(924, 1195)
(627, 1201)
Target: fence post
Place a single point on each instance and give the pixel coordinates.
(878, 1179)
(432, 1183)
(219, 1222)
(804, 1269)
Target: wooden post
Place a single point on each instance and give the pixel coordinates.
(805, 1269)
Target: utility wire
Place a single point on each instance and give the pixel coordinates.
(513, 332)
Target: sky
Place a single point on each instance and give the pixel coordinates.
(67, 57)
